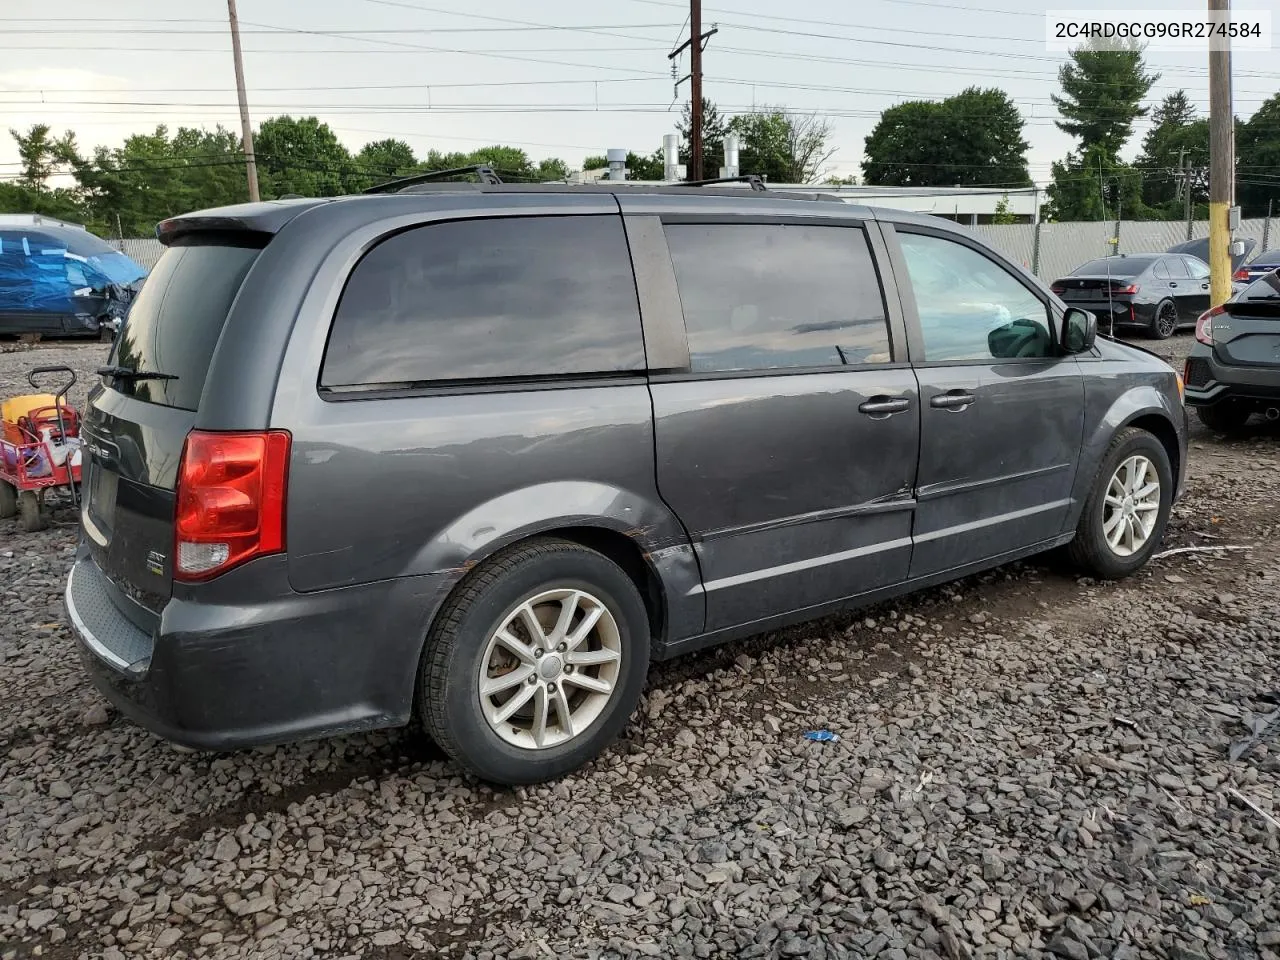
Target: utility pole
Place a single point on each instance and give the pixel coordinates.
(696, 39)
(695, 88)
(246, 128)
(1221, 175)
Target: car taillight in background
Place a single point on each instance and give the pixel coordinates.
(1241, 274)
(230, 500)
(1058, 288)
(1204, 325)
(1131, 288)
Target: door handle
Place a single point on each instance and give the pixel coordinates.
(952, 400)
(880, 407)
(1172, 284)
(1204, 286)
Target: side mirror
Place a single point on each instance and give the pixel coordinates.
(1079, 330)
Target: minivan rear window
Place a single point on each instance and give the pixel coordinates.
(175, 322)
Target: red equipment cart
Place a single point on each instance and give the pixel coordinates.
(39, 450)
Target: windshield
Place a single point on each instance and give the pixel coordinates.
(176, 320)
(1115, 266)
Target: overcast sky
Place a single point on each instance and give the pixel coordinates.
(562, 78)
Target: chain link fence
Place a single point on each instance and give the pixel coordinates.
(1053, 250)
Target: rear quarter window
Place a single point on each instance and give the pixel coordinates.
(517, 297)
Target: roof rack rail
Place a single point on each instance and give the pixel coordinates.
(751, 178)
(482, 170)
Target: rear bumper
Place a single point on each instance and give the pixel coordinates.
(284, 666)
(1212, 381)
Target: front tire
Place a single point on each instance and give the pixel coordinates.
(1225, 416)
(1128, 508)
(535, 663)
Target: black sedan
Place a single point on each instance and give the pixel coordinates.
(1233, 371)
(1158, 292)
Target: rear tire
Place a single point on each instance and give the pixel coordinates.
(8, 500)
(29, 517)
(560, 585)
(1093, 549)
(1165, 321)
(1225, 416)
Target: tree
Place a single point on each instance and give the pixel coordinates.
(714, 127)
(41, 156)
(781, 146)
(973, 139)
(1091, 185)
(1176, 135)
(1258, 160)
(154, 175)
(381, 160)
(1002, 214)
(652, 167)
(834, 181)
(302, 156)
(1102, 93)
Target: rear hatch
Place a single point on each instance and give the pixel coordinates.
(139, 416)
(1247, 334)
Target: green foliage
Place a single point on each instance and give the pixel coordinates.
(154, 176)
(379, 161)
(1002, 214)
(651, 167)
(1175, 129)
(1258, 160)
(1102, 93)
(302, 156)
(834, 181)
(973, 139)
(780, 146)
(1091, 185)
(714, 127)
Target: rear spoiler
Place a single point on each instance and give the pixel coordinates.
(254, 223)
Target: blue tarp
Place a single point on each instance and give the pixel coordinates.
(42, 268)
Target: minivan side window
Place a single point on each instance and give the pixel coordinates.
(513, 297)
(770, 296)
(970, 307)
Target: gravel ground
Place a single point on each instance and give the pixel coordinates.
(1030, 764)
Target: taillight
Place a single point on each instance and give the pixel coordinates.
(231, 497)
(1058, 288)
(1131, 288)
(1204, 325)
(1241, 274)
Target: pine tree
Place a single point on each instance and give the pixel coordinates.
(1102, 92)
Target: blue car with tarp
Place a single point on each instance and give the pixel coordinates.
(58, 279)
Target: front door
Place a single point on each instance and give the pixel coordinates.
(788, 448)
(1001, 412)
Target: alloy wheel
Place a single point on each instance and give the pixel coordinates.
(1132, 506)
(550, 668)
(1167, 319)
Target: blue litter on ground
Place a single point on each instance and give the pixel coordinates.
(822, 736)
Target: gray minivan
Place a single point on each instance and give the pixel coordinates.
(478, 453)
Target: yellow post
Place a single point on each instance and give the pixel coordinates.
(1221, 172)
